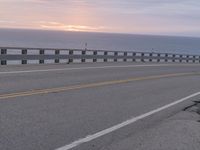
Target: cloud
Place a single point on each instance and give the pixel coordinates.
(45, 1)
(141, 7)
(160, 16)
(7, 22)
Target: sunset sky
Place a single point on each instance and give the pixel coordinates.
(164, 17)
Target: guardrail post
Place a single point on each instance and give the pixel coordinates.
(70, 54)
(134, 54)
(194, 59)
(83, 56)
(105, 54)
(95, 54)
(173, 59)
(24, 52)
(3, 52)
(115, 56)
(150, 57)
(142, 57)
(57, 52)
(187, 58)
(166, 57)
(158, 59)
(199, 59)
(125, 55)
(180, 58)
(41, 61)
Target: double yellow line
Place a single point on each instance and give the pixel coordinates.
(90, 85)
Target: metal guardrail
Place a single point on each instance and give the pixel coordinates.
(41, 54)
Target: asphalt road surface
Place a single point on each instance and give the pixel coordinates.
(78, 106)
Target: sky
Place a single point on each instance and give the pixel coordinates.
(160, 17)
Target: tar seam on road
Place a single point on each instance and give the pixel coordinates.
(90, 85)
(123, 124)
(87, 68)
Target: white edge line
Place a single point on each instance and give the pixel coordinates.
(82, 68)
(123, 124)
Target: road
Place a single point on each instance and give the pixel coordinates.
(46, 107)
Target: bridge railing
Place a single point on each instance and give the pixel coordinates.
(43, 55)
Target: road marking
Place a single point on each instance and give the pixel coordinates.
(90, 85)
(123, 124)
(87, 68)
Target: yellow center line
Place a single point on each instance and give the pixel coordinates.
(90, 85)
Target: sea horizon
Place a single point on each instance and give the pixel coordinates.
(37, 38)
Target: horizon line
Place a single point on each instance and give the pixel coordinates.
(101, 32)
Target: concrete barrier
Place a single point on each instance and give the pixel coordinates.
(70, 55)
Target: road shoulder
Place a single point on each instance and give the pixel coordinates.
(179, 132)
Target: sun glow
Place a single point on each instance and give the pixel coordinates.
(62, 26)
(80, 18)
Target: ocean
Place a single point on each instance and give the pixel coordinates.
(98, 41)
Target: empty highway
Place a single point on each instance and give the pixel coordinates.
(88, 106)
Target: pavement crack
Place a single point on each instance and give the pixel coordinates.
(196, 104)
(194, 108)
